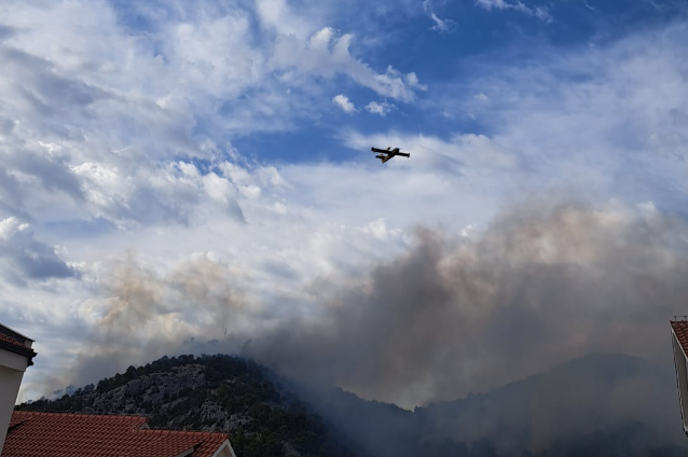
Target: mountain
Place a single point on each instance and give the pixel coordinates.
(602, 404)
(576, 398)
(603, 401)
(211, 393)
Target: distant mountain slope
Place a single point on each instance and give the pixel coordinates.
(578, 397)
(604, 402)
(212, 393)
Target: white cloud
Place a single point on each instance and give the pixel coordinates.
(379, 108)
(604, 121)
(541, 12)
(276, 14)
(326, 55)
(441, 25)
(147, 194)
(482, 97)
(83, 124)
(343, 102)
(412, 80)
(23, 258)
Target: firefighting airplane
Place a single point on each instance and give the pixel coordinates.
(387, 154)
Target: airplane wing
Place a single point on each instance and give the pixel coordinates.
(380, 150)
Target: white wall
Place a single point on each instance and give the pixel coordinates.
(12, 367)
(225, 450)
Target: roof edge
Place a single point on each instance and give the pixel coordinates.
(675, 338)
(71, 413)
(19, 350)
(13, 333)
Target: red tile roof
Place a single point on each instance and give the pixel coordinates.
(84, 435)
(681, 330)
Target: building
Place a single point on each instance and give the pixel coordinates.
(16, 356)
(91, 435)
(679, 339)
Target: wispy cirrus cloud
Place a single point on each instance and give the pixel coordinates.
(441, 25)
(327, 55)
(379, 108)
(541, 12)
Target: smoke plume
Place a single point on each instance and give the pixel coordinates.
(543, 283)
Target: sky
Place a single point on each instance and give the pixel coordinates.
(177, 172)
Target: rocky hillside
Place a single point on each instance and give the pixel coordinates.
(210, 393)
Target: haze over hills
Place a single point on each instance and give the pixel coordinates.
(607, 396)
(578, 397)
(602, 404)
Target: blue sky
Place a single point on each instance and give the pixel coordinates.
(141, 140)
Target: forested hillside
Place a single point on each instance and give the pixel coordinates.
(211, 393)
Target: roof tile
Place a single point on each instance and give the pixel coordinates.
(86, 435)
(681, 330)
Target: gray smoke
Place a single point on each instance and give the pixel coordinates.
(545, 282)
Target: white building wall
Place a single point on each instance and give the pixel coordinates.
(225, 450)
(12, 367)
